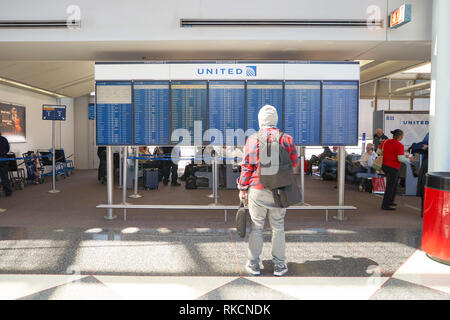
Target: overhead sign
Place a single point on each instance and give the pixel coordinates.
(53, 112)
(400, 16)
(311, 70)
(414, 126)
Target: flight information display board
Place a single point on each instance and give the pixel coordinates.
(188, 105)
(340, 100)
(151, 113)
(91, 111)
(113, 113)
(226, 106)
(260, 93)
(302, 111)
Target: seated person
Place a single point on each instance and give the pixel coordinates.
(315, 160)
(329, 162)
(364, 164)
(150, 163)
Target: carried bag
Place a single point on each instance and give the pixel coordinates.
(273, 174)
(287, 196)
(241, 220)
(378, 185)
(378, 162)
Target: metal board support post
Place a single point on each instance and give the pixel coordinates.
(216, 179)
(135, 195)
(302, 174)
(120, 168)
(109, 182)
(124, 181)
(341, 182)
(53, 161)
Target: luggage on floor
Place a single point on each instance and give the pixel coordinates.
(306, 166)
(202, 182)
(378, 185)
(366, 185)
(191, 182)
(151, 178)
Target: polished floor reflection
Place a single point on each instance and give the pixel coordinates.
(133, 263)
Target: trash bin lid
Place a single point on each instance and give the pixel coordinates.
(438, 180)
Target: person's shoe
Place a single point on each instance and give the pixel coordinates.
(394, 205)
(166, 182)
(254, 270)
(280, 269)
(388, 208)
(175, 184)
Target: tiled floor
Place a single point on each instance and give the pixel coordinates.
(38, 263)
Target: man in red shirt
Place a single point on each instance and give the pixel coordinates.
(260, 199)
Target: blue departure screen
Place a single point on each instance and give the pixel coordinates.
(260, 93)
(226, 107)
(91, 111)
(151, 112)
(189, 105)
(113, 113)
(302, 111)
(340, 101)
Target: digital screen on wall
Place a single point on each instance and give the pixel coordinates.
(226, 109)
(151, 113)
(188, 107)
(260, 93)
(302, 111)
(12, 124)
(91, 111)
(340, 101)
(113, 113)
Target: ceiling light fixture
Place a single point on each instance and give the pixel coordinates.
(31, 88)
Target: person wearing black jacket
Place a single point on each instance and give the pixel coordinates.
(421, 148)
(4, 149)
(378, 138)
(101, 153)
(169, 167)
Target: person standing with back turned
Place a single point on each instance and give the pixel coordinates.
(393, 155)
(4, 149)
(261, 200)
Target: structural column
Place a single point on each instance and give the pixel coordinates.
(439, 151)
(436, 217)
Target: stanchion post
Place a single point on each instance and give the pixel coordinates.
(109, 182)
(135, 195)
(124, 180)
(53, 161)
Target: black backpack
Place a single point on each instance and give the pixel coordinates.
(191, 182)
(271, 174)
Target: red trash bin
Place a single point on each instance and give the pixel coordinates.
(436, 217)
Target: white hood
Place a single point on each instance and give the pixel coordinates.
(267, 116)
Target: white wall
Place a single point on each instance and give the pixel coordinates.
(84, 135)
(38, 131)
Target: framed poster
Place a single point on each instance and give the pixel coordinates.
(12, 122)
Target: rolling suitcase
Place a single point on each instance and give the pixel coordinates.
(151, 178)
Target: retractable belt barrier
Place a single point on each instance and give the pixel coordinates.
(26, 158)
(124, 205)
(163, 158)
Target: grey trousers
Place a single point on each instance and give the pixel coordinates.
(261, 203)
